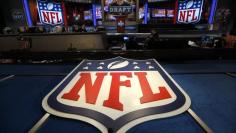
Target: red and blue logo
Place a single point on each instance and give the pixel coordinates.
(50, 13)
(189, 11)
(117, 94)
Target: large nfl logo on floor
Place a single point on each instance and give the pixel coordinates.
(50, 13)
(117, 94)
(189, 11)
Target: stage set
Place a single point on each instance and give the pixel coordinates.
(117, 66)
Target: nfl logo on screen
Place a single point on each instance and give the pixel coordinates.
(50, 13)
(189, 11)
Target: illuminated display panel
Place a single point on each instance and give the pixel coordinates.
(141, 13)
(158, 13)
(98, 12)
(110, 17)
(169, 13)
(88, 15)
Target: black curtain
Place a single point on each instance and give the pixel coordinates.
(233, 17)
(2, 22)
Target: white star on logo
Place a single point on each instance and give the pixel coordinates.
(85, 68)
(100, 67)
(135, 63)
(136, 67)
(150, 67)
(101, 63)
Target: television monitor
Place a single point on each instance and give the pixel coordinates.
(170, 13)
(88, 15)
(158, 13)
(98, 12)
(110, 17)
(141, 13)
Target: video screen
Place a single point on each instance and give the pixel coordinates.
(88, 15)
(98, 12)
(170, 13)
(158, 13)
(110, 17)
(141, 12)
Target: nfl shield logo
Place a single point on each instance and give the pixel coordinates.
(189, 11)
(117, 94)
(50, 13)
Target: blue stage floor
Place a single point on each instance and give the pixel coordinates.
(211, 89)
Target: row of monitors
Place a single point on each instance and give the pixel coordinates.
(155, 13)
